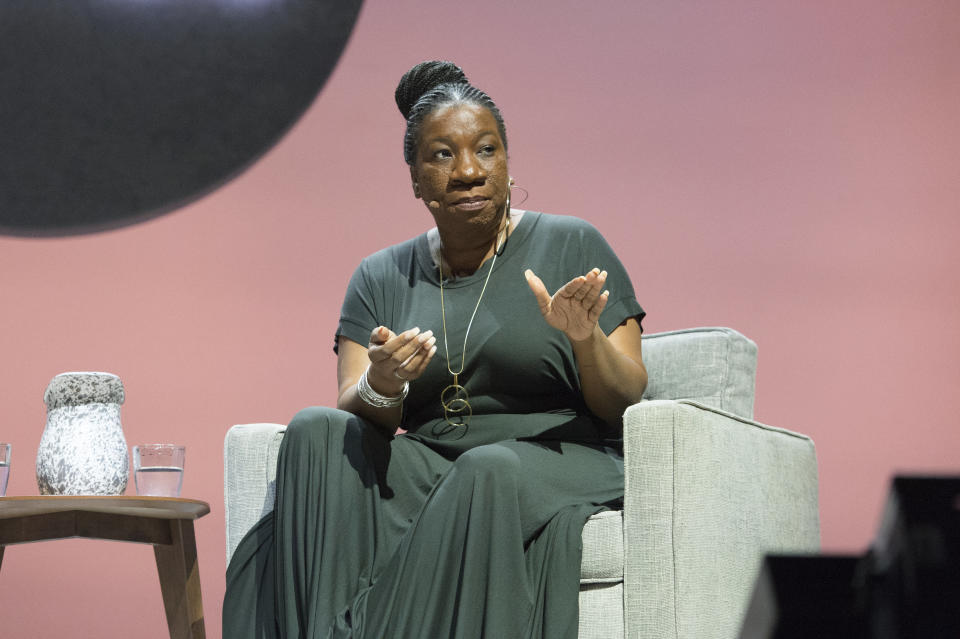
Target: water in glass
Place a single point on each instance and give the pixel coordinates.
(4, 473)
(159, 481)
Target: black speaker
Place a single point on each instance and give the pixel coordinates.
(907, 586)
(806, 597)
(914, 564)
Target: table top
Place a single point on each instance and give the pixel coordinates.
(149, 507)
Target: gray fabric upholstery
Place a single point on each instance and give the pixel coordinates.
(707, 493)
(601, 611)
(713, 366)
(249, 478)
(603, 548)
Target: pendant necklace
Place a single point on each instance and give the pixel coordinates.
(454, 398)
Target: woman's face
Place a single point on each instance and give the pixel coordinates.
(461, 168)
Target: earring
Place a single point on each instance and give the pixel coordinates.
(511, 184)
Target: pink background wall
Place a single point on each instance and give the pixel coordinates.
(787, 169)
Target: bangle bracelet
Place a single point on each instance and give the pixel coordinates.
(375, 399)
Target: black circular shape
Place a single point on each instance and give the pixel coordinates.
(116, 111)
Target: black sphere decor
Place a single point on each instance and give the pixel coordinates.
(113, 112)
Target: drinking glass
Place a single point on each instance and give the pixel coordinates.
(4, 467)
(158, 469)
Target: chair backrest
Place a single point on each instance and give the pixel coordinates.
(713, 366)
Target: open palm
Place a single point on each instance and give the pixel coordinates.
(575, 308)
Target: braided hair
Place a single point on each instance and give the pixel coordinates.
(431, 85)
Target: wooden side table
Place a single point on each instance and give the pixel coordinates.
(165, 522)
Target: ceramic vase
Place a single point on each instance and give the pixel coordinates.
(83, 451)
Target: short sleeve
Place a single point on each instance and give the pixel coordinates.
(358, 315)
(623, 304)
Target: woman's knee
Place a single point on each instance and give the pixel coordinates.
(317, 422)
(490, 462)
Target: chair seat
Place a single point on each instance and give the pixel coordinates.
(603, 548)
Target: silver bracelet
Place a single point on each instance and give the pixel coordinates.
(375, 399)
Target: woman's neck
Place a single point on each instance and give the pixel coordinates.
(461, 260)
(462, 257)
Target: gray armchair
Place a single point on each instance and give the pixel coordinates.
(708, 492)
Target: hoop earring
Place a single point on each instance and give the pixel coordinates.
(511, 184)
(503, 246)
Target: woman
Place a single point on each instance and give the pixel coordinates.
(468, 524)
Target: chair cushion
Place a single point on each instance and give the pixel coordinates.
(602, 560)
(601, 611)
(712, 366)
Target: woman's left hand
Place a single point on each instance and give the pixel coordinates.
(576, 307)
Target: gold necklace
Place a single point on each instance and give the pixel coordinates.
(454, 398)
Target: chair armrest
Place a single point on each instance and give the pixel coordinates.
(707, 494)
(249, 477)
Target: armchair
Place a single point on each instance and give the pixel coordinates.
(708, 492)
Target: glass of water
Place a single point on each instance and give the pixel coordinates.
(4, 467)
(158, 469)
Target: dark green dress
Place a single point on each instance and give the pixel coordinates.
(467, 532)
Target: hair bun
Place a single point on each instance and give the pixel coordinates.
(421, 79)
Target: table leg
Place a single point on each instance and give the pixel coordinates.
(180, 582)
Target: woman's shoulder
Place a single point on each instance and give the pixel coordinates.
(390, 254)
(397, 259)
(562, 224)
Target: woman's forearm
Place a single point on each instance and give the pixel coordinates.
(387, 365)
(386, 418)
(610, 380)
(349, 398)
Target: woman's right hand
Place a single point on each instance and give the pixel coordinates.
(397, 359)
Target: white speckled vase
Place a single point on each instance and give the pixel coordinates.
(82, 451)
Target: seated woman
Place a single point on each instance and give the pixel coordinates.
(468, 524)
